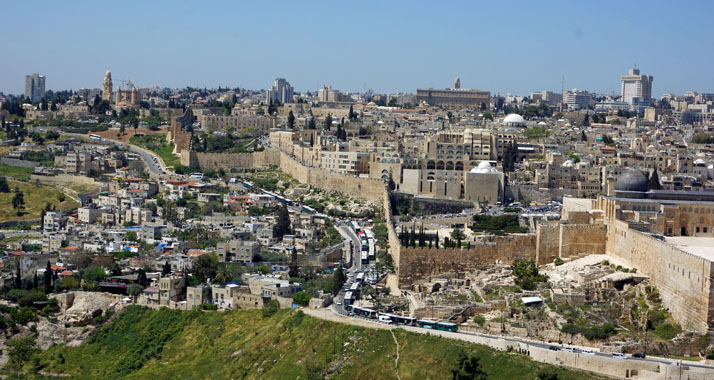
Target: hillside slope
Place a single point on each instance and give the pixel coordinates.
(167, 344)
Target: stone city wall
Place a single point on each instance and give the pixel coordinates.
(356, 187)
(684, 280)
(63, 179)
(569, 240)
(19, 163)
(392, 237)
(228, 161)
(416, 263)
(179, 137)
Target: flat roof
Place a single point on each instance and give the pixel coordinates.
(698, 246)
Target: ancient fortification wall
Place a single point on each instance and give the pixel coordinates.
(393, 239)
(569, 240)
(179, 137)
(415, 263)
(683, 279)
(370, 189)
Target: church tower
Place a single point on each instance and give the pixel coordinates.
(135, 96)
(107, 91)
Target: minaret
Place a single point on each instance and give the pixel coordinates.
(457, 83)
(107, 93)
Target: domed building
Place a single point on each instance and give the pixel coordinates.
(483, 183)
(514, 120)
(632, 180)
(484, 167)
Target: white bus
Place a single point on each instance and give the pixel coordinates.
(95, 137)
(196, 175)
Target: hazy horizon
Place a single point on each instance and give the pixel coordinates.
(388, 47)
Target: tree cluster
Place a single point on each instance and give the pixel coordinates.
(526, 274)
(510, 157)
(414, 238)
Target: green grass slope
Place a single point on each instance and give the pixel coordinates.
(167, 344)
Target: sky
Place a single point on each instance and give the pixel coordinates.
(389, 46)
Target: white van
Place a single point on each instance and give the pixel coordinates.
(385, 319)
(587, 351)
(618, 355)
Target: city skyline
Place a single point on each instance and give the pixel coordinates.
(385, 47)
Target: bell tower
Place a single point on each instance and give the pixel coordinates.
(107, 90)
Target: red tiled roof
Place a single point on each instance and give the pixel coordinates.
(70, 248)
(66, 273)
(195, 252)
(56, 268)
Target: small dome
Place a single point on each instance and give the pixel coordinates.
(631, 180)
(542, 123)
(484, 168)
(699, 161)
(514, 119)
(568, 164)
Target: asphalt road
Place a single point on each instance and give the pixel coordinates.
(153, 162)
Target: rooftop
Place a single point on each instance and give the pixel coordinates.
(699, 246)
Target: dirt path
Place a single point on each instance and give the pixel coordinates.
(396, 360)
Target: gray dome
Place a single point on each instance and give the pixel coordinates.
(631, 180)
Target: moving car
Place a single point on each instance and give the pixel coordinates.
(639, 355)
(587, 351)
(618, 355)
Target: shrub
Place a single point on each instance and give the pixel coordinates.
(558, 261)
(603, 331)
(668, 331)
(479, 320)
(301, 298)
(21, 350)
(271, 308)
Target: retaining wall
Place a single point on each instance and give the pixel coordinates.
(684, 280)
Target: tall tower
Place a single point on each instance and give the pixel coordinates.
(107, 91)
(135, 96)
(35, 87)
(636, 87)
(457, 83)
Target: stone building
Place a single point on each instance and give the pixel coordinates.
(108, 87)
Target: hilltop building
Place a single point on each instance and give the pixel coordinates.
(281, 91)
(35, 87)
(636, 88)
